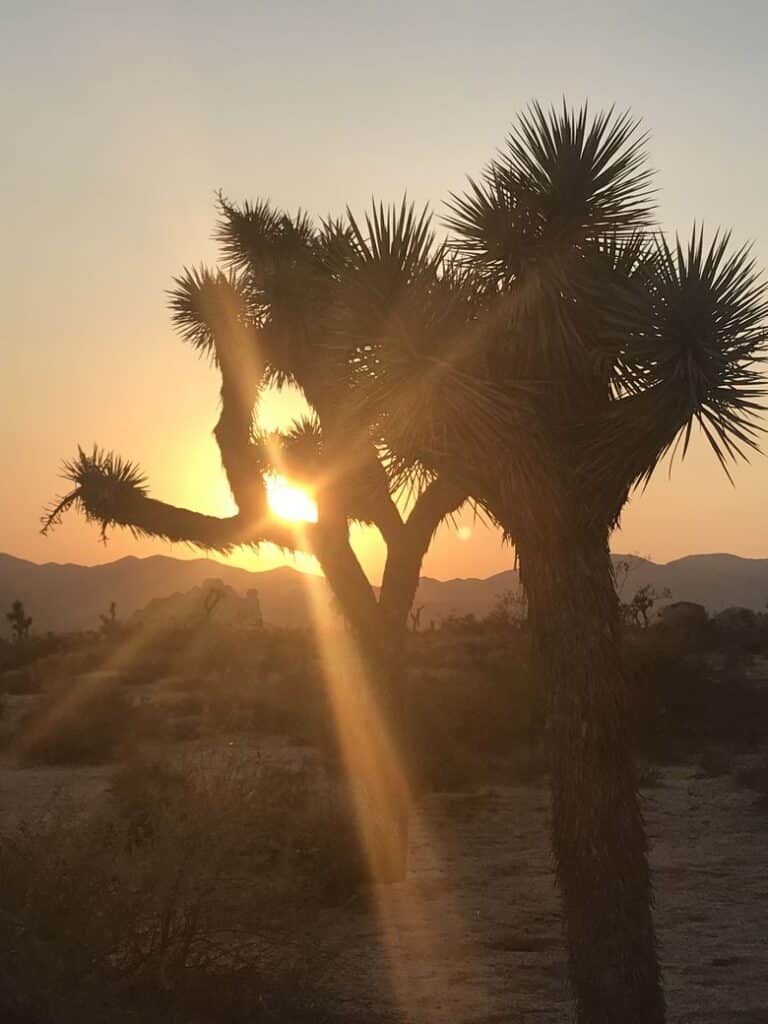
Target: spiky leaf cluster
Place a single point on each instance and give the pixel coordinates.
(598, 343)
(104, 483)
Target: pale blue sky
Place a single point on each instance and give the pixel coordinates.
(120, 120)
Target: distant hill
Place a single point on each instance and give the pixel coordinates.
(71, 597)
(716, 581)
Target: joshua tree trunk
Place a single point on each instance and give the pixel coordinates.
(387, 790)
(598, 834)
(378, 748)
(383, 643)
(385, 649)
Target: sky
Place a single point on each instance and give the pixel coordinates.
(120, 121)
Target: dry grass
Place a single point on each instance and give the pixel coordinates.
(190, 885)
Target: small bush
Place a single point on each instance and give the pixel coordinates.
(20, 682)
(28, 650)
(84, 722)
(191, 895)
(266, 814)
(144, 795)
(682, 701)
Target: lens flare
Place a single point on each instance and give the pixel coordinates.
(288, 501)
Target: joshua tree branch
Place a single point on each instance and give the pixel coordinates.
(159, 519)
(113, 493)
(636, 432)
(375, 504)
(241, 375)
(439, 499)
(345, 574)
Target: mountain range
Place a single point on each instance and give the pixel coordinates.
(71, 597)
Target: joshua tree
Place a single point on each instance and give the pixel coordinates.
(109, 623)
(543, 361)
(276, 314)
(19, 621)
(416, 618)
(638, 610)
(595, 345)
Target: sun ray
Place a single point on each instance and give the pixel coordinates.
(377, 779)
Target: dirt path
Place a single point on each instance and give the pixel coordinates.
(475, 933)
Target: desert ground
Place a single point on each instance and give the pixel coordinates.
(474, 934)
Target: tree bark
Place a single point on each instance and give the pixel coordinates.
(387, 792)
(598, 833)
(386, 655)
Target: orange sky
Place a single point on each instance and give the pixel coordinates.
(121, 120)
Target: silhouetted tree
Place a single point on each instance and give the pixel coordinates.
(19, 621)
(109, 623)
(543, 361)
(561, 322)
(621, 571)
(637, 610)
(276, 314)
(416, 618)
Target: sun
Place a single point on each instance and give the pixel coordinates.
(289, 501)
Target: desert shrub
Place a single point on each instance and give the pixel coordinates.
(81, 722)
(737, 632)
(666, 689)
(679, 701)
(490, 710)
(69, 656)
(144, 794)
(266, 814)
(29, 649)
(262, 681)
(19, 682)
(191, 895)
(462, 625)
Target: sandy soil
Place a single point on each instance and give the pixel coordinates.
(474, 935)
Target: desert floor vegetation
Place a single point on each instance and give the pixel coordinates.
(178, 843)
